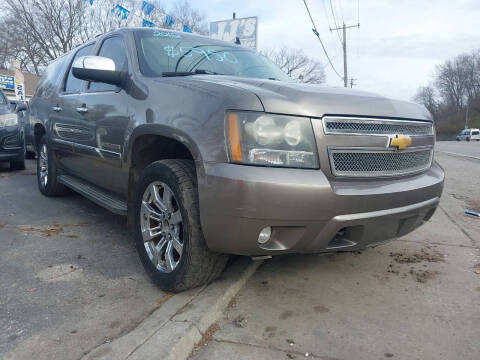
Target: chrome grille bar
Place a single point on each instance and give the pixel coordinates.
(361, 162)
(364, 126)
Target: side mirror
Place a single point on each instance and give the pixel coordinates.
(98, 69)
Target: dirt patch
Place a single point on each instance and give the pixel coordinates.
(321, 309)
(417, 257)
(47, 231)
(286, 314)
(421, 258)
(270, 331)
(206, 338)
(422, 276)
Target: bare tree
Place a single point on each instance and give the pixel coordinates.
(44, 29)
(297, 65)
(425, 96)
(455, 86)
(191, 17)
(38, 31)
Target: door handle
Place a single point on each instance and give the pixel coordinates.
(56, 108)
(82, 110)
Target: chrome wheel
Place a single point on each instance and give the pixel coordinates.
(162, 226)
(43, 165)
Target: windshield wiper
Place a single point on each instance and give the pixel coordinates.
(188, 73)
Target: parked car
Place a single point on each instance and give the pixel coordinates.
(23, 113)
(12, 135)
(209, 149)
(469, 135)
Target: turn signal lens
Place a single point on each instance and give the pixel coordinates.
(234, 137)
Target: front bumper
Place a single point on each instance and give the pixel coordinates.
(11, 143)
(308, 212)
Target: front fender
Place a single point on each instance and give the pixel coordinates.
(160, 130)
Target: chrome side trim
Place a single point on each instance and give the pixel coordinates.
(99, 151)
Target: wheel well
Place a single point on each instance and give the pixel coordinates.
(147, 149)
(38, 132)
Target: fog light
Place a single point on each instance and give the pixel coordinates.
(264, 235)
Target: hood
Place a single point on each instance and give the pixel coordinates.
(318, 100)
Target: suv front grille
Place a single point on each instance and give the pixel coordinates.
(356, 126)
(367, 163)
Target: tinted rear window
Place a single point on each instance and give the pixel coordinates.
(52, 77)
(476, 132)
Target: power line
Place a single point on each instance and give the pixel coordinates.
(335, 20)
(341, 9)
(328, 19)
(315, 31)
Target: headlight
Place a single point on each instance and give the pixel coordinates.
(271, 140)
(8, 120)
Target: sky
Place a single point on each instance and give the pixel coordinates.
(396, 49)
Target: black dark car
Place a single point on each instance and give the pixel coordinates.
(12, 134)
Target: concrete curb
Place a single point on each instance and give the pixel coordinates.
(172, 331)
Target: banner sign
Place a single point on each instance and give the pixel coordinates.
(228, 30)
(120, 11)
(7, 82)
(146, 23)
(147, 8)
(19, 85)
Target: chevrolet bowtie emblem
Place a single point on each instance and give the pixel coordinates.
(401, 142)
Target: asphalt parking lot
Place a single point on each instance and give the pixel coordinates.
(71, 281)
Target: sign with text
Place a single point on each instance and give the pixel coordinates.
(19, 85)
(7, 82)
(228, 30)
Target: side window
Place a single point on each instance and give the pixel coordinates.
(52, 77)
(114, 49)
(72, 84)
(476, 132)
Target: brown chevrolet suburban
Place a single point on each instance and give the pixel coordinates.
(210, 149)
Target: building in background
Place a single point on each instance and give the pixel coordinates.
(7, 84)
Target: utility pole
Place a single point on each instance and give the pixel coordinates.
(466, 114)
(344, 43)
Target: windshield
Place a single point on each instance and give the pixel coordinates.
(162, 51)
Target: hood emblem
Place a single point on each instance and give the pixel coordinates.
(401, 142)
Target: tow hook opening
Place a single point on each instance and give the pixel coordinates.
(343, 237)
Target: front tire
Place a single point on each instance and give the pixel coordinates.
(168, 234)
(47, 171)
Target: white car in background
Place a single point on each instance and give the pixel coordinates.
(469, 135)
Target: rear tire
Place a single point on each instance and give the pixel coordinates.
(172, 184)
(47, 171)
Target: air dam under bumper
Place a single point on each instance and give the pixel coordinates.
(308, 212)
